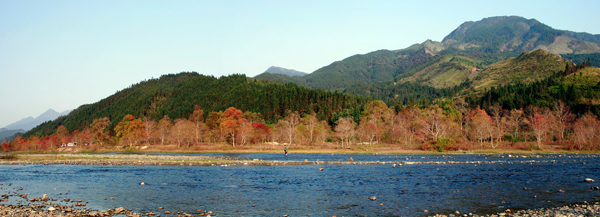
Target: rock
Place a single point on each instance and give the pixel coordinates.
(561, 191)
(167, 212)
(350, 159)
(119, 210)
(142, 183)
(393, 165)
(45, 197)
(321, 169)
(51, 209)
(596, 188)
(589, 180)
(372, 198)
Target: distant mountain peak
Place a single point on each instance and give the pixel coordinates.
(30, 122)
(284, 71)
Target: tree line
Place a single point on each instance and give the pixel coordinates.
(444, 126)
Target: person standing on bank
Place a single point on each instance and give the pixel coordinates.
(285, 149)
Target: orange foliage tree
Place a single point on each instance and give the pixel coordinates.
(99, 130)
(230, 123)
(130, 130)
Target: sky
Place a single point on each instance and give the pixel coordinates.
(63, 54)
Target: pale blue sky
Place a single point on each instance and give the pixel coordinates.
(62, 54)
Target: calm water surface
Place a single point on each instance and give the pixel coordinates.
(341, 190)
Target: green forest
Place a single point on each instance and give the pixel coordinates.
(175, 95)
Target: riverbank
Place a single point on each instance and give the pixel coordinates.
(585, 209)
(323, 148)
(192, 160)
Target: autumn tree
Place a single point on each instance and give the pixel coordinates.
(62, 134)
(540, 126)
(163, 129)
(499, 123)
(197, 118)
(5, 145)
(149, 127)
(230, 124)
(289, 124)
(130, 130)
(311, 122)
(368, 129)
(246, 131)
(585, 130)
(322, 131)
(514, 121)
(99, 130)
(434, 122)
(182, 131)
(345, 130)
(396, 126)
(480, 124)
(563, 118)
(261, 131)
(213, 121)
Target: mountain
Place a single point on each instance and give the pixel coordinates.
(451, 75)
(9, 133)
(29, 122)
(499, 34)
(578, 86)
(525, 68)
(485, 42)
(445, 71)
(372, 67)
(282, 75)
(176, 95)
(284, 71)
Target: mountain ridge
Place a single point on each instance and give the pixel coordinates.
(488, 40)
(28, 123)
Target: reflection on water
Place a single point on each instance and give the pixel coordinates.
(338, 190)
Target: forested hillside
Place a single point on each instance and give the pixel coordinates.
(176, 96)
(475, 44)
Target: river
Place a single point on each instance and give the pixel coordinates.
(476, 184)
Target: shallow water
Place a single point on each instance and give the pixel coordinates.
(338, 190)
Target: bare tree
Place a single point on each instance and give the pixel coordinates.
(563, 116)
(164, 126)
(585, 129)
(289, 125)
(149, 126)
(345, 130)
(540, 125)
(514, 121)
(434, 123)
(311, 122)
